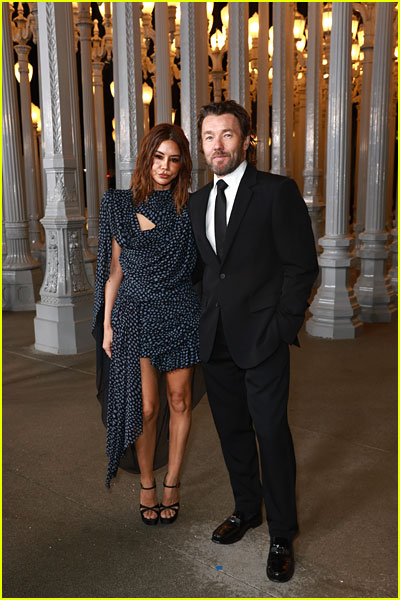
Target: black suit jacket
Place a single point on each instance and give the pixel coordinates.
(261, 285)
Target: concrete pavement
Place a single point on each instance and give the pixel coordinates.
(66, 535)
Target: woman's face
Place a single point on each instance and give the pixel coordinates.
(166, 165)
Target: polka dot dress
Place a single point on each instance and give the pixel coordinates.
(156, 312)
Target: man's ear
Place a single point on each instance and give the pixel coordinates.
(246, 143)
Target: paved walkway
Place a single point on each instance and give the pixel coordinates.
(66, 535)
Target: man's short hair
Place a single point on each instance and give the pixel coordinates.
(223, 108)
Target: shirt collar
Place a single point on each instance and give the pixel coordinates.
(234, 177)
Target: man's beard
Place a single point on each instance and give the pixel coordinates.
(229, 167)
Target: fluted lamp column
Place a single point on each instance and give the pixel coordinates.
(21, 272)
(366, 37)
(84, 24)
(101, 48)
(312, 191)
(282, 89)
(163, 76)
(334, 308)
(98, 67)
(194, 84)
(263, 89)
(373, 289)
(64, 313)
(128, 88)
(22, 34)
(238, 53)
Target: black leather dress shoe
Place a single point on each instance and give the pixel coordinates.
(280, 565)
(234, 527)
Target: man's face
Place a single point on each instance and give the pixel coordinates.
(222, 143)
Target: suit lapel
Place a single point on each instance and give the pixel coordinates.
(242, 199)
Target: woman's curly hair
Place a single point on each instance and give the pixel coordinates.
(142, 184)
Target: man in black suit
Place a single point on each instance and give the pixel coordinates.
(255, 241)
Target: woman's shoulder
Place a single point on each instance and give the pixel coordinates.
(112, 197)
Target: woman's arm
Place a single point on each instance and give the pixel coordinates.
(110, 293)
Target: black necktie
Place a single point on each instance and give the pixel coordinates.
(220, 216)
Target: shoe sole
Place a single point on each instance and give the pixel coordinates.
(285, 580)
(256, 524)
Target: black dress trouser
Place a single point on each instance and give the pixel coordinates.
(240, 398)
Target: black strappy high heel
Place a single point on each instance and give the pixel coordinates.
(174, 506)
(155, 509)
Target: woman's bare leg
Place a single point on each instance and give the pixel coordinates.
(145, 445)
(179, 392)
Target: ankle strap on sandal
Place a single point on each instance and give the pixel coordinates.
(150, 488)
(170, 486)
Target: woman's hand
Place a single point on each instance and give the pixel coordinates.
(107, 340)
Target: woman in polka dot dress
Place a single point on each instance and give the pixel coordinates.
(150, 312)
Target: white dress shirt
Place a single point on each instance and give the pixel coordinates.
(233, 180)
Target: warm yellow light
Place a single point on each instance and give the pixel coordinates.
(299, 25)
(35, 113)
(210, 18)
(113, 123)
(270, 74)
(147, 93)
(213, 41)
(270, 48)
(326, 75)
(360, 35)
(396, 52)
(75, 5)
(217, 40)
(17, 74)
(39, 126)
(147, 8)
(327, 17)
(355, 51)
(250, 44)
(177, 6)
(254, 26)
(361, 56)
(112, 89)
(354, 26)
(271, 33)
(324, 61)
(102, 8)
(299, 75)
(301, 43)
(225, 16)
